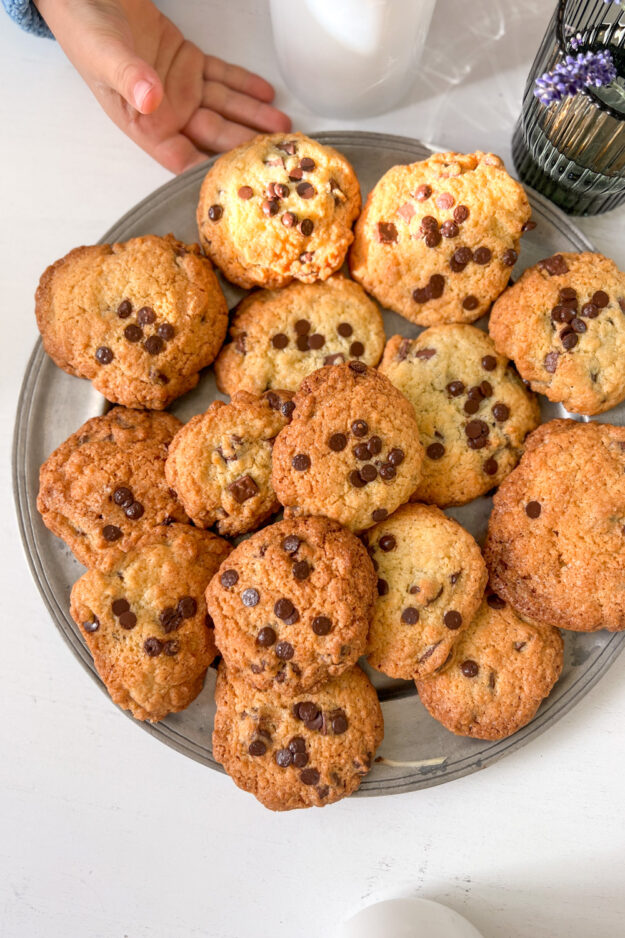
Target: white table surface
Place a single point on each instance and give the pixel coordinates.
(106, 832)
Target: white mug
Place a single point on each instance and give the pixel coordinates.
(350, 58)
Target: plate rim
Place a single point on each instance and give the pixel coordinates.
(415, 778)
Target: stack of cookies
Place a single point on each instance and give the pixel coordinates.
(361, 442)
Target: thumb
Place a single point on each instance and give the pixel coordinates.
(127, 74)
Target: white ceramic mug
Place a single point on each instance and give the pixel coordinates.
(350, 58)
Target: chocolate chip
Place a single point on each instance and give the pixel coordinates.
(578, 325)
(92, 626)
(296, 174)
(533, 509)
(257, 748)
(289, 219)
(555, 265)
(569, 339)
(187, 607)
(170, 619)
(356, 349)
(420, 295)
(309, 776)
(321, 625)
(356, 479)
(600, 299)
(382, 587)
(302, 343)
(369, 472)
(215, 212)
(229, 578)
(472, 405)
(146, 316)
(361, 451)
(374, 446)
(339, 724)
(287, 408)
(435, 451)
(283, 758)
(307, 227)
(410, 615)
(475, 429)
(283, 608)
(250, 597)
(429, 223)
(495, 602)
(337, 442)
(301, 570)
(307, 164)
(449, 229)
(486, 389)
(104, 355)
(528, 226)
(489, 363)
(344, 329)
(490, 466)
(501, 412)
(152, 647)
(243, 488)
(110, 532)
(510, 257)
(387, 543)
(387, 472)
(124, 309)
(133, 333)
(335, 359)
(435, 287)
(422, 193)
(297, 744)
(123, 496)
(166, 331)
(432, 238)
(291, 543)
(305, 190)
(306, 711)
(302, 327)
(358, 367)
(452, 619)
(119, 606)
(316, 341)
(445, 200)
(387, 232)
(359, 428)
(455, 388)
(461, 213)
(134, 511)
(469, 668)
(590, 311)
(284, 651)
(301, 462)
(459, 259)
(245, 192)
(270, 207)
(279, 340)
(379, 514)
(551, 361)
(127, 620)
(266, 637)
(153, 345)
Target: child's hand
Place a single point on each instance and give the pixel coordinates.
(175, 102)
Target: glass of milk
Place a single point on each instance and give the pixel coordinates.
(350, 58)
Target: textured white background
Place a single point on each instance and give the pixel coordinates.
(105, 832)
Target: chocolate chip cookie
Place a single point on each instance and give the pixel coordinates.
(276, 209)
(145, 621)
(292, 604)
(503, 668)
(299, 753)
(437, 240)
(472, 409)
(139, 319)
(219, 464)
(555, 547)
(563, 324)
(104, 488)
(278, 337)
(351, 451)
(431, 577)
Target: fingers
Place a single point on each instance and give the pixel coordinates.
(237, 78)
(243, 109)
(210, 131)
(130, 77)
(176, 153)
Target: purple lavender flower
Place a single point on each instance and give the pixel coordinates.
(584, 70)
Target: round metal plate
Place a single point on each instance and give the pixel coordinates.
(417, 751)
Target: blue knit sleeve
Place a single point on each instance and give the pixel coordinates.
(26, 15)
